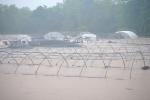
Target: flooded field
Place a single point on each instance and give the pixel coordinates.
(106, 69)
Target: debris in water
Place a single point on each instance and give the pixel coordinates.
(145, 68)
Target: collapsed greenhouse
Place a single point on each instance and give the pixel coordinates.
(125, 35)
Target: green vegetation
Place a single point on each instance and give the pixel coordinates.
(98, 16)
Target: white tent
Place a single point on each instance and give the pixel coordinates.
(54, 36)
(125, 35)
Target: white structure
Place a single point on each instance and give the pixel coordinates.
(84, 37)
(125, 35)
(25, 39)
(87, 36)
(54, 36)
(4, 43)
(7, 40)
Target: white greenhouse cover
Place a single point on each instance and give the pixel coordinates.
(54, 36)
(16, 37)
(89, 36)
(130, 34)
(24, 38)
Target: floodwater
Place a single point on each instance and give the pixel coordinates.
(83, 75)
(26, 87)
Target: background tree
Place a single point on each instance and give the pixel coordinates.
(102, 17)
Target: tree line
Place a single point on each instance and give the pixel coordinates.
(72, 16)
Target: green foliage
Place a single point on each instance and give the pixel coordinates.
(137, 16)
(98, 16)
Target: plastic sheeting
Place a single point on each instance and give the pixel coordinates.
(54, 36)
(125, 35)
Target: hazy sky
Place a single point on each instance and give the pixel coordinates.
(32, 4)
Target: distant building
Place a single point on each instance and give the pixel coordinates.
(54, 36)
(125, 35)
